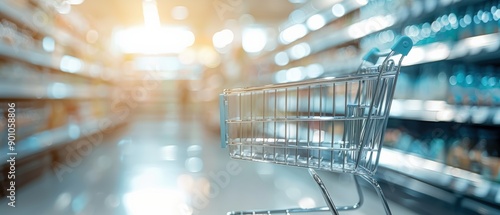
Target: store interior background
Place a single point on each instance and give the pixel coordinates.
(117, 102)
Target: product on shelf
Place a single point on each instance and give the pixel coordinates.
(469, 147)
(31, 117)
(474, 85)
(11, 34)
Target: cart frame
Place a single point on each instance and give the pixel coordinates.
(335, 124)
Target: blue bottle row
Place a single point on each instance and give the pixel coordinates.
(450, 25)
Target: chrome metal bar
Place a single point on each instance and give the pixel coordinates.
(380, 193)
(297, 125)
(280, 211)
(251, 124)
(332, 158)
(369, 122)
(324, 191)
(286, 125)
(308, 125)
(305, 119)
(311, 82)
(310, 210)
(361, 199)
(275, 108)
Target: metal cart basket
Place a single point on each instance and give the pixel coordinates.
(335, 124)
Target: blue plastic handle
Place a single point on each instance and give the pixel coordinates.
(222, 108)
(372, 56)
(403, 46)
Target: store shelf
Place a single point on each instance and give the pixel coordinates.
(450, 178)
(53, 91)
(22, 16)
(44, 59)
(478, 48)
(474, 49)
(413, 109)
(325, 9)
(440, 111)
(33, 57)
(46, 140)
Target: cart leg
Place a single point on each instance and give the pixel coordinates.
(324, 191)
(361, 198)
(309, 210)
(377, 187)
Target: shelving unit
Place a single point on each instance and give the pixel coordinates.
(337, 47)
(440, 175)
(51, 139)
(329, 37)
(440, 111)
(63, 85)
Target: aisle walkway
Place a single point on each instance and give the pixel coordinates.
(163, 165)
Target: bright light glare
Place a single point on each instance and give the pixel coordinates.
(280, 76)
(155, 63)
(222, 38)
(299, 51)
(254, 40)
(187, 56)
(373, 24)
(362, 2)
(162, 40)
(338, 10)
(70, 64)
(208, 57)
(297, 1)
(314, 70)
(318, 135)
(194, 164)
(74, 131)
(75, 2)
(281, 59)
(58, 90)
(295, 74)
(150, 12)
(481, 41)
(63, 7)
(293, 33)
(316, 22)
(155, 201)
(416, 55)
(307, 202)
(439, 51)
(180, 12)
(48, 44)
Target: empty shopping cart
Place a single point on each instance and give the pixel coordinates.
(335, 123)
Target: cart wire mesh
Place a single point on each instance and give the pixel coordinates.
(335, 124)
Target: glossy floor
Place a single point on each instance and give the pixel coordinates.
(174, 166)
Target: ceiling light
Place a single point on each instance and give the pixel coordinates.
(254, 39)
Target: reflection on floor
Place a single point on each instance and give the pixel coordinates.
(173, 166)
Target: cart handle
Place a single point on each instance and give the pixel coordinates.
(402, 46)
(222, 109)
(372, 56)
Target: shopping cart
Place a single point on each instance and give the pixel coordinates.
(335, 124)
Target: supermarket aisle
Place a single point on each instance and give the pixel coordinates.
(165, 165)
